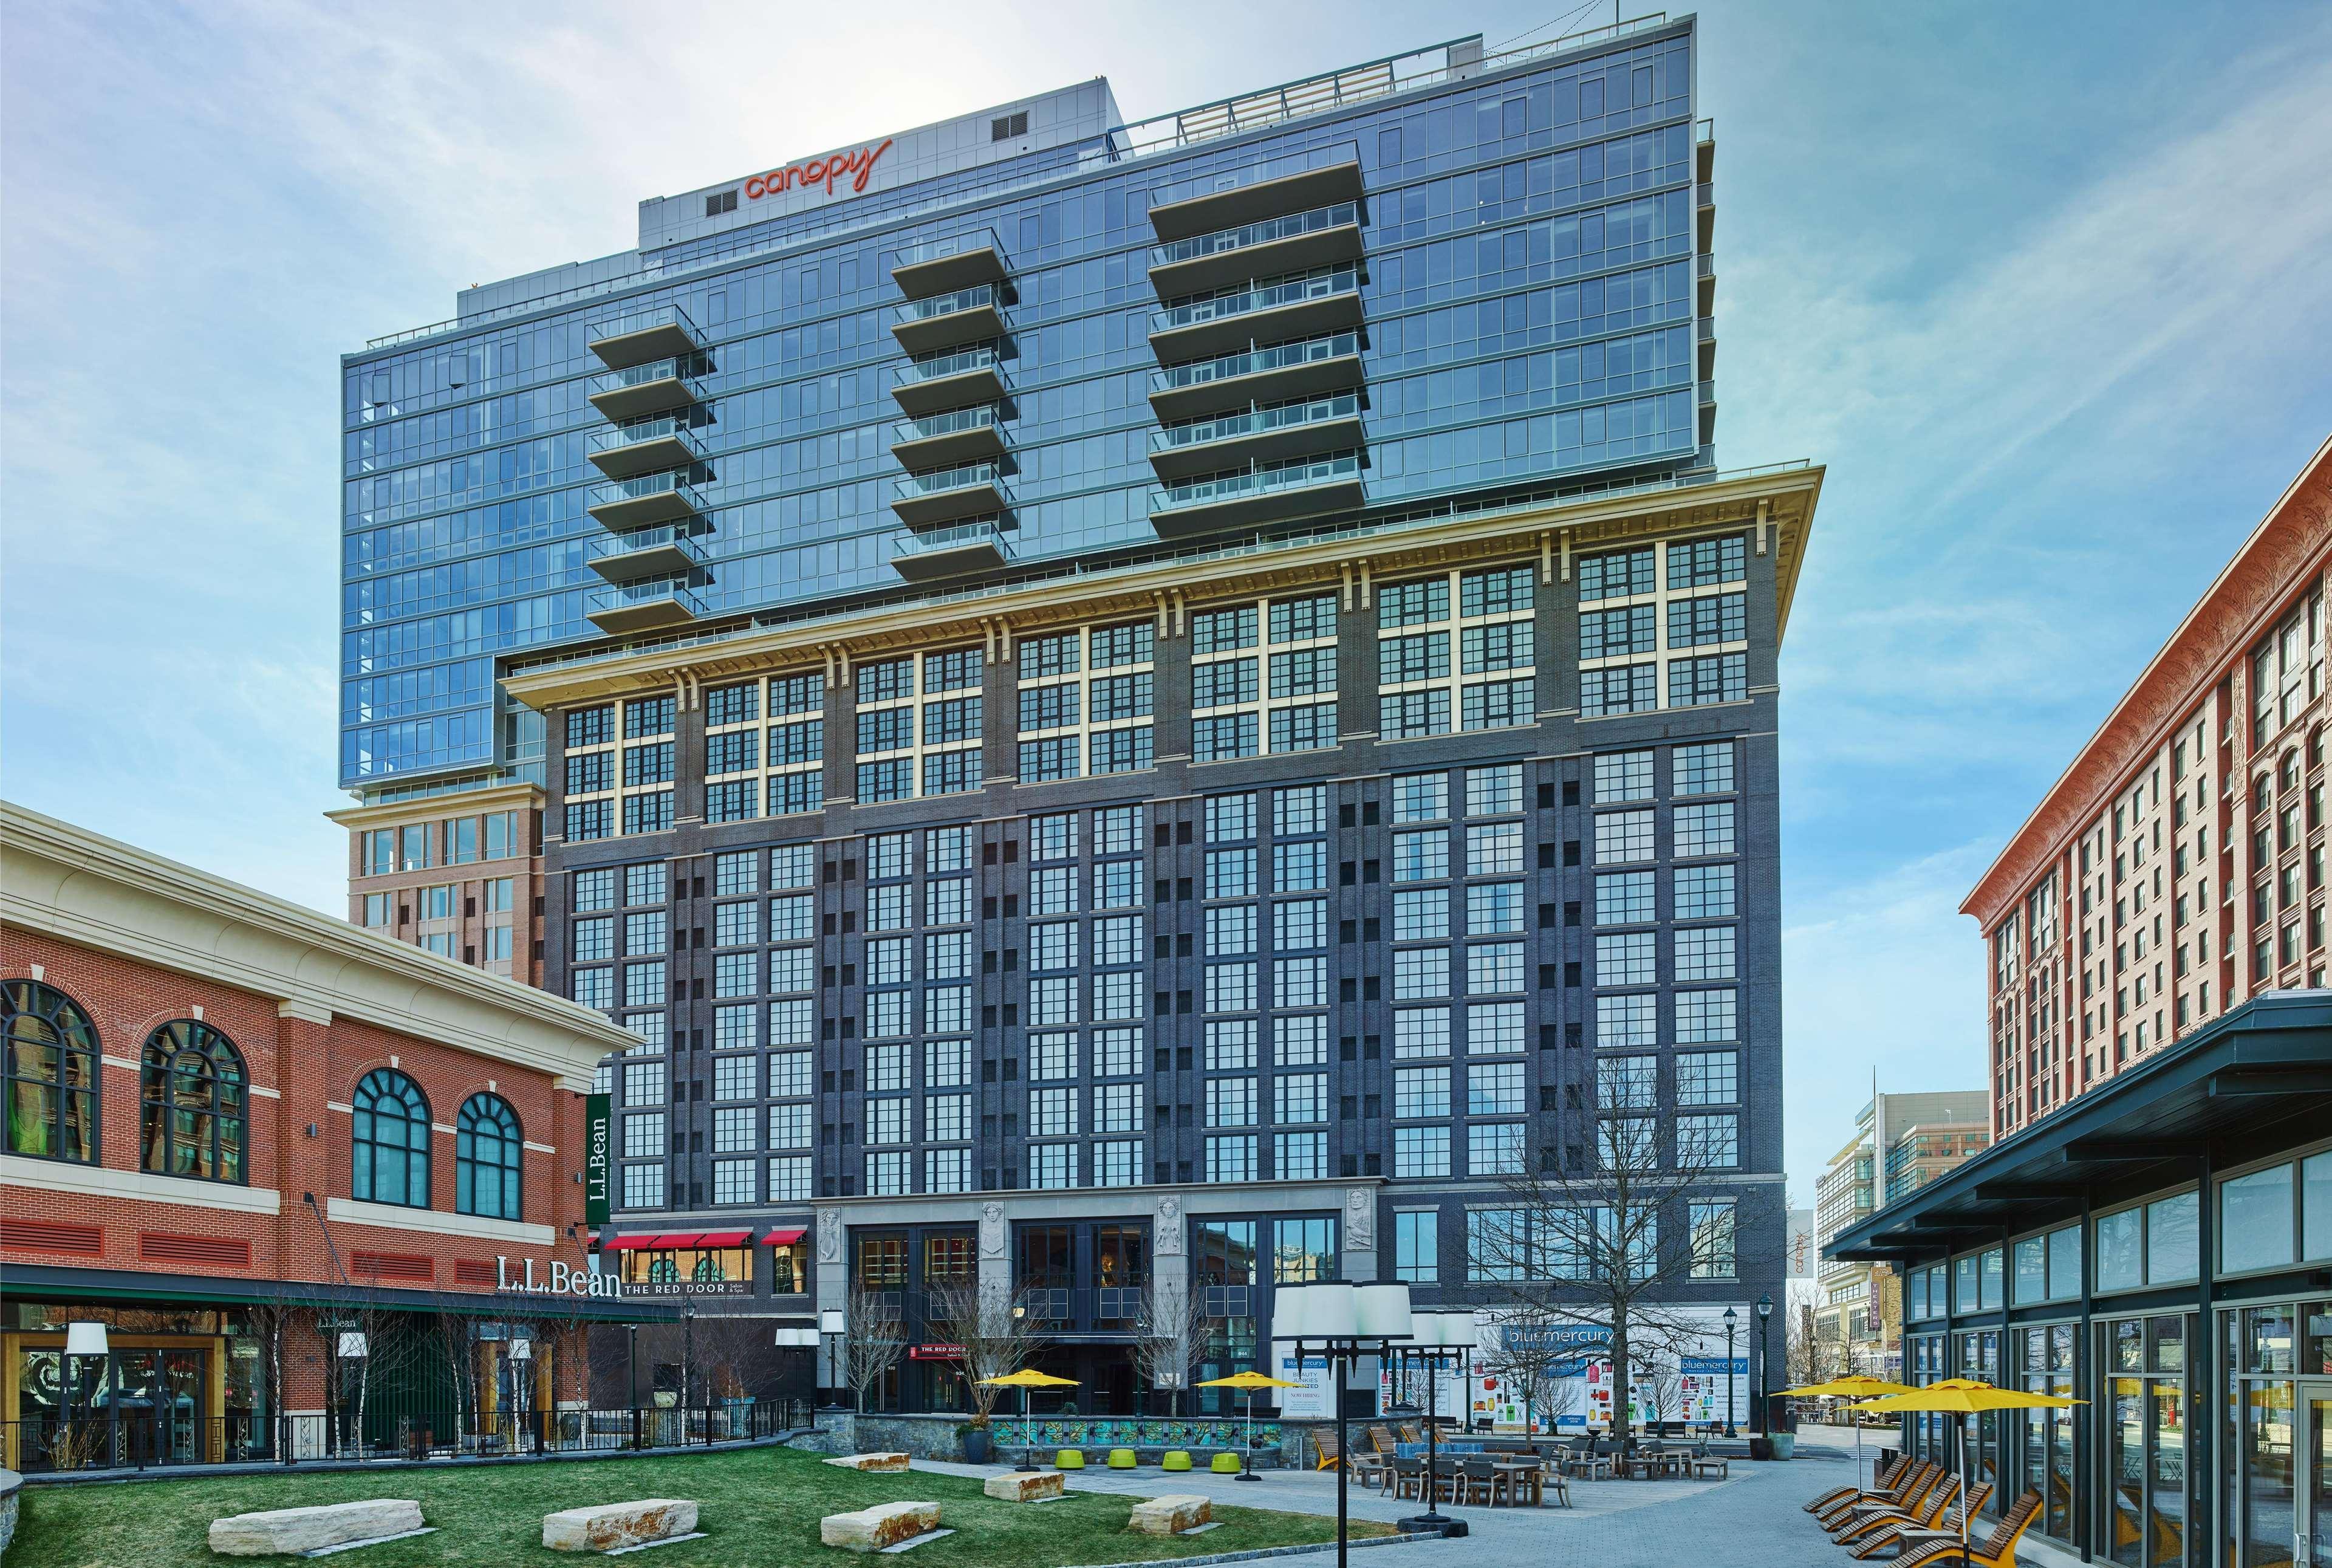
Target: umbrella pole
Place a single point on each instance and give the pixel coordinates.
(1027, 1432)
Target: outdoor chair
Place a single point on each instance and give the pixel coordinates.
(1368, 1468)
(1380, 1437)
(1410, 1432)
(1912, 1486)
(1860, 1520)
(1885, 1534)
(1888, 1475)
(1330, 1448)
(1997, 1550)
(1407, 1478)
(1483, 1481)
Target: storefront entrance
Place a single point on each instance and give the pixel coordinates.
(139, 1406)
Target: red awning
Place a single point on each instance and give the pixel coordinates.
(783, 1238)
(628, 1243)
(724, 1239)
(676, 1239)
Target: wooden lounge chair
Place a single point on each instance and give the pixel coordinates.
(1885, 1535)
(1924, 1478)
(1331, 1449)
(1919, 1516)
(1888, 1476)
(1997, 1550)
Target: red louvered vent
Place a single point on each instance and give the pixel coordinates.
(470, 1271)
(218, 1251)
(392, 1265)
(48, 1236)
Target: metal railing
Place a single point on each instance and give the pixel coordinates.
(954, 422)
(939, 481)
(1255, 481)
(1255, 361)
(961, 299)
(640, 487)
(680, 368)
(1248, 235)
(1255, 421)
(642, 321)
(627, 595)
(117, 1441)
(663, 535)
(952, 245)
(663, 427)
(955, 536)
(1265, 296)
(954, 362)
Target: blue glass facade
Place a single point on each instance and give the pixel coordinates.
(1531, 305)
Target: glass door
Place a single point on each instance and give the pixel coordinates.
(2313, 1549)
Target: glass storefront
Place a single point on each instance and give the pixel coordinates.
(2142, 1426)
(2277, 1492)
(2046, 1362)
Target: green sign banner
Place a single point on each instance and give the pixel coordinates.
(597, 1164)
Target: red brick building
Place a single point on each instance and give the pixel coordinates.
(2177, 869)
(291, 1167)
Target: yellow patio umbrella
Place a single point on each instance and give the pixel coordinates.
(1966, 1397)
(1247, 1382)
(1855, 1387)
(1028, 1378)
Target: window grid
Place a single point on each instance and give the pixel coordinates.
(1456, 652)
(1263, 678)
(1063, 679)
(1670, 604)
(619, 774)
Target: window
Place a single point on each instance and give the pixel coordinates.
(487, 1155)
(1713, 1245)
(1417, 1247)
(1619, 689)
(1708, 1078)
(49, 1073)
(1005, 126)
(390, 1157)
(1616, 576)
(1421, 798)
(195, 1106)
(1704, 830)
(1420, 1151)
(1621, 836)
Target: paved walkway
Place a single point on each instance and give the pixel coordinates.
(1751, 1520)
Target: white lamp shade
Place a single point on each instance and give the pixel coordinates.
(1459, 1331)
(85, 1339)
(1291, 1312)
(829, 1322)
(1333, 1312)
(352, 1345)
(1426, 1329)
(522, 1350)
(1382, 1311)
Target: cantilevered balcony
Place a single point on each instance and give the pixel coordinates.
(947, 440)
(636, 502)
(955, 380)
(643, 607)
(656, 332)
(1257, 435)
(664, 552)
(951, 551)
(657, 387)
(643, 446)
(1252, 496)
(1273, 247)
(1310, 304)
(972, 315)
(945, 494)
(1300, 190)
(1273, 375)
(943, 266)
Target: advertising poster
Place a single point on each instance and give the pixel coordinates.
(1315, 1400)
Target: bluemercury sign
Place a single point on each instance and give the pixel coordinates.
(562, 1281)
(595, 1163)
(854, 167)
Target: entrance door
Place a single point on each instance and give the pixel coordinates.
(2314, 1515)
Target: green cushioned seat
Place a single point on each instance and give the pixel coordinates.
(1069, 1459)
(1121, 1458)
(1224, 1464)
(1176, 1460)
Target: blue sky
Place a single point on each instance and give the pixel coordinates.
(2044, 287)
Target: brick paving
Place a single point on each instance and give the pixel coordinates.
(1754, 1519)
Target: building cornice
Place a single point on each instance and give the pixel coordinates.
(95, 892)
(1781, 504)
(2232, 613)
(518, 795)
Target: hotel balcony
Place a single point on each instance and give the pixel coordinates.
(951, 551)
(956, 379)
(643, 446)
(1272, 248)
(643, 607)
(1705, 206)
(657, 387)
(1705, 271)
(1253, 496)
(636, 502)
(1273, 374)
(944, 266)
(664, 552)
(657, 332)
(973, 490)
(1307, 306)
(1257, 435)
(1295, 191)
(972, 315)
(949, 439)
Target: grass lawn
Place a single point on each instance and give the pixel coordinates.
(760, 1510)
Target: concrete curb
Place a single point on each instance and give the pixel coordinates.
(1261, 1552)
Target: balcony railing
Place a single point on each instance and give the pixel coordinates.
(1316, 177)
(1258, 494)
(961, 547)
(657, 332)
(651, 388)
(667, 551)
(644, 499)
(1292, 243)
(953, 379)
(643, 446)
(963, 316)
(1258, 434)
(1259, 375)
(1309, 302)
(637, 607)
(943, 265)
(945, 493)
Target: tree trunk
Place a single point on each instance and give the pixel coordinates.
(1621, 1379)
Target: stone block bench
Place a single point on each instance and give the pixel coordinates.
(1024, 1485)
(608, 1527)
(884, 1524)
(879, 1464)
(285, 1530)
(1175, 1513)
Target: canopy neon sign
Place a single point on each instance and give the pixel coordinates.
(855, 166)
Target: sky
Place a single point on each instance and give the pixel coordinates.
(2044, 288)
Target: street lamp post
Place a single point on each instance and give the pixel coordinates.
(1439, 1339)
(1764, 1362)
(1345, 1323)
(86, 1342)
(830, 1326)
(1731, 1318)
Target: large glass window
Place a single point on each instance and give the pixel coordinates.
(49, 1073)
(487, 1156)
(194, 1115)
(390, 1162)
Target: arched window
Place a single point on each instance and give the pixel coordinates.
(486, 1155)
(48, 1071)
(392, 1141)
(193, 1116)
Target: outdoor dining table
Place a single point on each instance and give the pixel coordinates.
(1520, 1476)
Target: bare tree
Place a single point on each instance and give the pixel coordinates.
(1538, 1361)
(998, 1331)
(1170, 1338)
(873, 1339)
(1605, 1235)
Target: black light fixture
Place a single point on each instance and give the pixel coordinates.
(1344, 1324)
(1731, 1319)
(1764, 1362)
